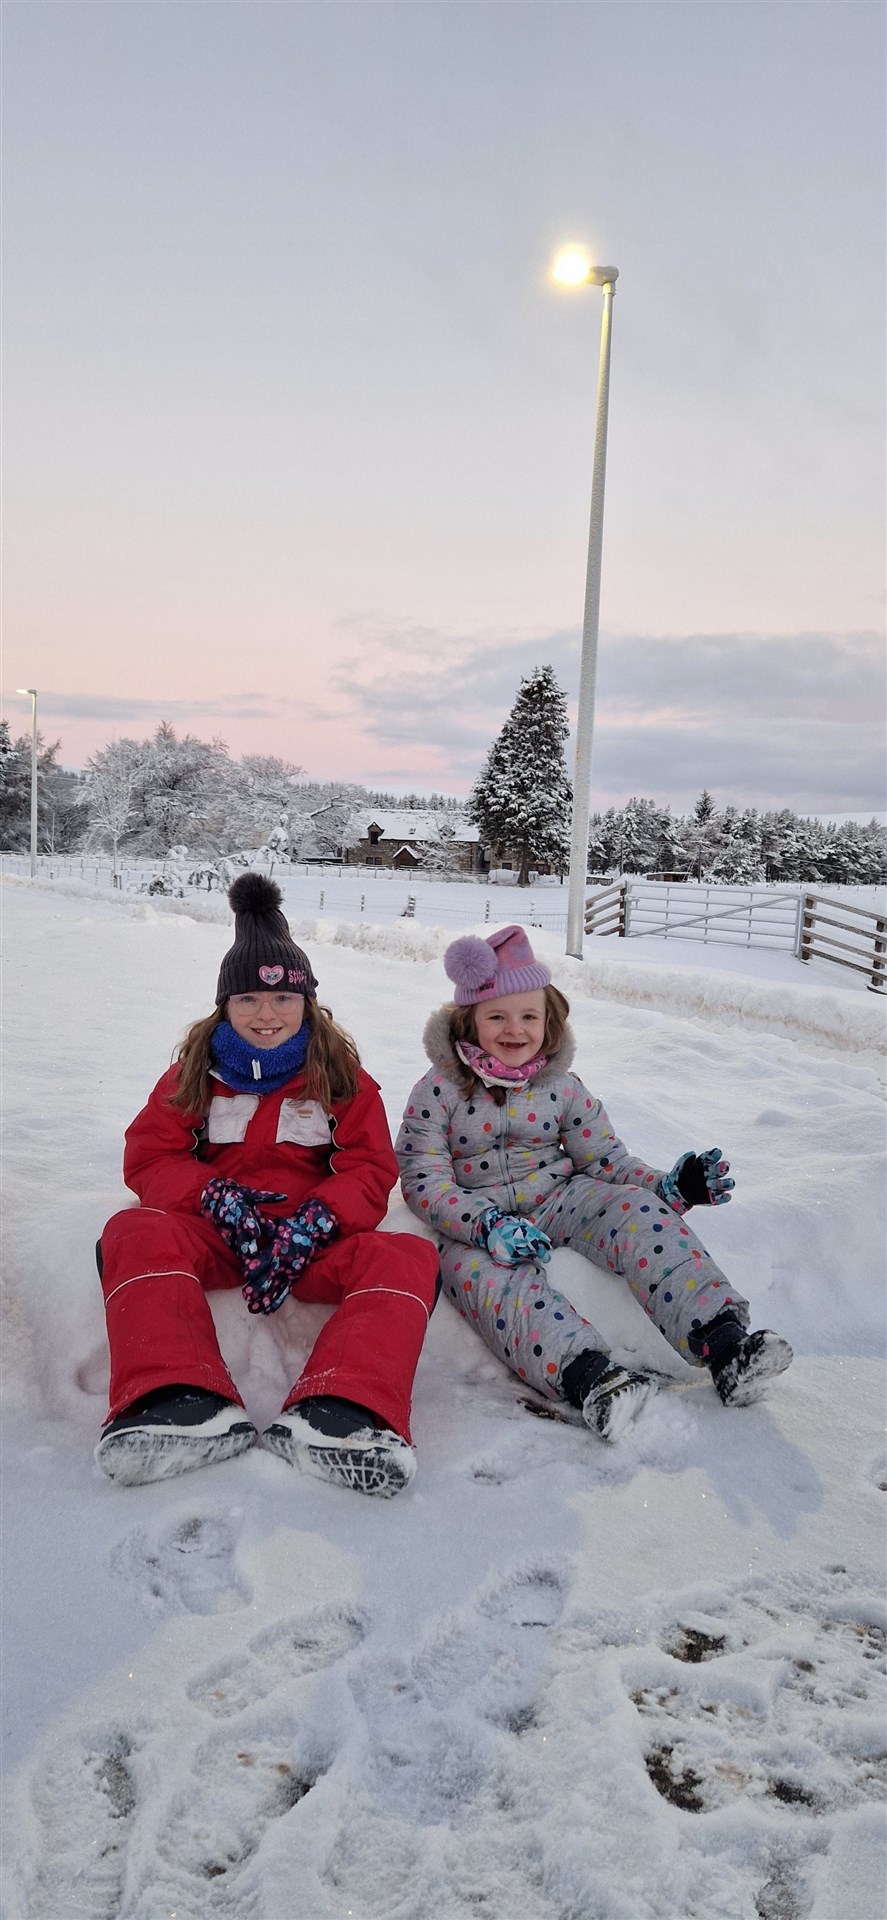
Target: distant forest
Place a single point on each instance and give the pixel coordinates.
(146, 797)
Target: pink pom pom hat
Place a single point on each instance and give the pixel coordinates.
(484, 969)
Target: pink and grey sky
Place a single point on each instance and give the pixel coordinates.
(298, 434)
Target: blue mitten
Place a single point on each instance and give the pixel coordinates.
(232, 1210)
(510, 1240)
(697, 1180)
(289, 1245)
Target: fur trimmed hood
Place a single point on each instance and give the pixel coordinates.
(439, 1048)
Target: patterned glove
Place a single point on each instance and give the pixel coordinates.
(232, 1210)
(511, 1240)
(288, 1246)
(697, 1180)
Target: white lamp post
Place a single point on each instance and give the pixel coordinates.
(32, 693)
(572, 269)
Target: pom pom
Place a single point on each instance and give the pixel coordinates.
(470, 962)
(254, 893)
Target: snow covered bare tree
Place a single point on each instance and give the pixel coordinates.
(261, 797)
(109, 791)
(521, 799)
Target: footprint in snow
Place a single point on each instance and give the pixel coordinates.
(216, 1823)
(84, 1799)
(496, 1650)
(281, 1652)
(529, 1598)
(876, 1472)
(448, 1774)
(778, 1703)
(493, 1472)
(493, 1654)
(186, 1567)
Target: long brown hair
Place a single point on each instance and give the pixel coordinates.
(332, 1062)
(463, 1027)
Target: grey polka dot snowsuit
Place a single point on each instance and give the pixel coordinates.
(550, 1155)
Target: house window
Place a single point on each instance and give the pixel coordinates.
(374, 835)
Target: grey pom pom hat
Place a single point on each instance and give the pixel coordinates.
(264, 957)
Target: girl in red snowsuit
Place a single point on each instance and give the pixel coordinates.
(263, 1160)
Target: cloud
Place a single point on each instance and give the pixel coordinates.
(811, 765)
(783, 719)
(791, 676)
(142, 712)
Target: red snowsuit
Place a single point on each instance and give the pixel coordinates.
(160, 1257)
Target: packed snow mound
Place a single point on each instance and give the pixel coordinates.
(801, 1012)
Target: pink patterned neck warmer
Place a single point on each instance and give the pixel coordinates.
(495, 1073)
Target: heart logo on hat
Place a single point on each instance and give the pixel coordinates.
(270, 975)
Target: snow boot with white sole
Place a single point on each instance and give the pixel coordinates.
(338, 1441)
(744, 1377)
(615, 1401)
(170, 1431)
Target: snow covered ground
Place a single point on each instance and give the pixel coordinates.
(383, 895)
(553, 1680)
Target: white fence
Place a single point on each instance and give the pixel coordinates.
(798, 923)
(719, 915)
(341, 893)
(93, 871)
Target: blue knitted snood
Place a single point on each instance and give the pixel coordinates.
(257, 1069)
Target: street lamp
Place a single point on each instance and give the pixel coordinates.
(572, 269)
(32, 692)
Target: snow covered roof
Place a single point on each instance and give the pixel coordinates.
(414, 824)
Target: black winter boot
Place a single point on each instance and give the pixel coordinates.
(743, 1377)
(610, 1397)
(340, 1441)
(614, 1403)
(170, 1431)
(741, 1362)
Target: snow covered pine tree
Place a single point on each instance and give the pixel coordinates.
(522, 797)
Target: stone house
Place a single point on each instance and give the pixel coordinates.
(411, 837)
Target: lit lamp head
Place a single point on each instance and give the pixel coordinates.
(572, 268)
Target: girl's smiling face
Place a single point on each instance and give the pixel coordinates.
(512, 1027)
(266, 1019)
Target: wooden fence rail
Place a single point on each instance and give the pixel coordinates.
(867, 943)
(605, 911)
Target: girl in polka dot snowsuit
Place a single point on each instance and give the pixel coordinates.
(505, 1153)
